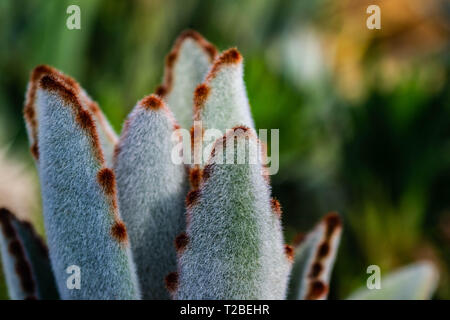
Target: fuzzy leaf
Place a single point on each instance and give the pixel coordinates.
(314, 260)
(16, 265)
(37, 254)
(233, 247)
(417, 281)
(106, 134)
(152, 189)
(220, 102)
(81, 215)
(186, 66)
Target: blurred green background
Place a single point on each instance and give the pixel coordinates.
(364, 115)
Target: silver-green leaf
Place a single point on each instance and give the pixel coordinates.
(152, 189)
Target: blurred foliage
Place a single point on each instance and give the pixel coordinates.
(364, 115)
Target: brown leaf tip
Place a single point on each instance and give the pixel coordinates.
(235, 132)
(276, 207)
(119, 231)
(181, 241)
(192, 198)
(68, 90)
(40, 70)
(29, 109)
(332, 222)
(194, 35)
(289, 251)
(173, 56)
(107, 180)
(317, 290)
(152, 102)
(195, 177)
(230, 56)
(171, 282)
(56, 84)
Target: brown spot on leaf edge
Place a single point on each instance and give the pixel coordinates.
(107, 180)
(171, 281)
(195, 177)
(119, 231)
(171, 58)
(317, 290)
(181, 241)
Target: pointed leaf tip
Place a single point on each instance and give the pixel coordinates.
(53, 83)
(332, 221)
(229, 57)
(172, 57)
(195, 36)
(201, 41)
(70, 95)
(152, 102)
(70, 92)
(186, 66)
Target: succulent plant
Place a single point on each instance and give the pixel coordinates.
(139, 225)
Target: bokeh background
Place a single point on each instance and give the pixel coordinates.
(364, 115)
